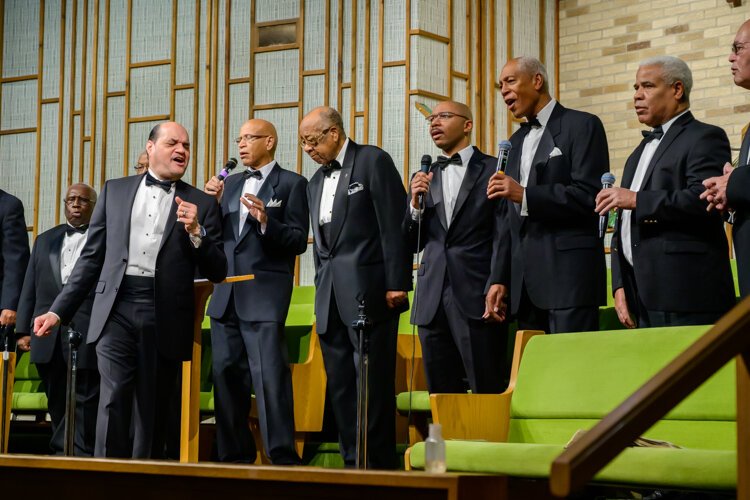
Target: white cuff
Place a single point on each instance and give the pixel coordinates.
(416, 213)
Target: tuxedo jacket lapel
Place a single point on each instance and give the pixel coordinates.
(316, 190)
(744, 148)
(436, 193)
(473, 169)
(666, 141)
(341, 200)
(181, 190)
(232, 195)
(541, 156)
(54, 256)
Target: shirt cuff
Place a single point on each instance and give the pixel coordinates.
(524, 205)
(416, 213)
(263, 228)
(197, 239)
(56, 316)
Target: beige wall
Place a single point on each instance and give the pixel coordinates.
(601, 43)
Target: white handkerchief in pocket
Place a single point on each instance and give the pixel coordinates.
(555, 152)
(355, 187)
(272, 203)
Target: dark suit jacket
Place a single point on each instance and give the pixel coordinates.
(270, 256)
(40, 287)
(104, 259)
(467, 251)
(556, 249)
(680, 252)
(738, 196)
(14, 250)
(367, 255)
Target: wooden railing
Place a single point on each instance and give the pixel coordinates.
(729, 338)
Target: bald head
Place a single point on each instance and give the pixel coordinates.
(322, 134)
(451, 126)
(739, 57)
(258, 141)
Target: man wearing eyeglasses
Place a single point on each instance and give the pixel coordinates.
(141, 165)
(53, 258)
(729, 192)
(670, 264)
(265, 226)
(464, 238)
(149, 236)
(357, 202)
(558, 274)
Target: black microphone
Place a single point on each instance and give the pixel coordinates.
(227, 168)
(503, 152)
(608, 180)
(424, 167)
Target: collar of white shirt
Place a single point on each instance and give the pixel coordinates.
(266, 169)
(546, 112)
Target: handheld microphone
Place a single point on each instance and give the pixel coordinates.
(424, 167)
(227, 169)
(608, 180)
(503, 153)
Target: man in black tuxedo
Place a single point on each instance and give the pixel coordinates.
(729, 192)
(670, 263)
(558, 273)
(14, 255)
(148, 236)
(53, 258)
(357, 202)
(266, 222)
(463, 237)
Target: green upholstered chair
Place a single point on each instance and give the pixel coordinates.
(28, 393)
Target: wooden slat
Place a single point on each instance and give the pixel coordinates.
(12, 131)
(585, 457)
(151, 64)
(430, 35)
(10, 362)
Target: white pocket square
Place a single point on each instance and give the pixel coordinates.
(555, 152)
(355, 187)
(273, 203)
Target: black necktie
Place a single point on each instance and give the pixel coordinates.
(531, 123)
(252, 173)
(444, 161)
(70, 230)
(657, 133)
(152, 181)
(334, 165)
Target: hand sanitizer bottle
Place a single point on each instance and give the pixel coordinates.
(434, 450)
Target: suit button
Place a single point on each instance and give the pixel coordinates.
(236, 251)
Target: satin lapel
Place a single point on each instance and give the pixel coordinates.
(341, 200)
(232, 196)
(316, 190)
(266, 193)
(473, 169)
(666, 141)
(127, 204)
(541, 157)
(55, 249)
(744, 148)
(181, 190)
(436, 192)
(631, 165)
(514, 165)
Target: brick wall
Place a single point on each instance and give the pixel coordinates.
(602, 42)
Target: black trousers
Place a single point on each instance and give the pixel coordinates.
(251, 356)
(341, 357)
(54, 375)
(573, 319)
(137, 382)
(461, 353)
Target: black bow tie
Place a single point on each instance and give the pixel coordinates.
(334, 165)
(252, 173)
(531, 123)
(444, 161)
(70, 230)
(152, 181)
(657, 133)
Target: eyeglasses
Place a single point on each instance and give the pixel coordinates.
(139, 166)
(80, 200)
(737, 47)
(248, 138)
(312, 142)
(445, 115)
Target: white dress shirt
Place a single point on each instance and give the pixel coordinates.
(452, 178)
(148, 218)
(640, 173)
(530, 145)
(252, 186)
(330, 182)
(70, 251)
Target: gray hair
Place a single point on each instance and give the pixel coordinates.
(533, 66)
(331, 117)
(673, 69)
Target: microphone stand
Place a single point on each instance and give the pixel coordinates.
(6, 334)
(362, 325)
(74, 338)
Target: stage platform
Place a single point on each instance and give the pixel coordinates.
(27, 476)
